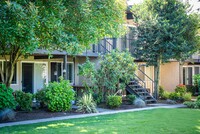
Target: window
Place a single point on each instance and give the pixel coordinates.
(188, 73)
(56, 71)
(70, 72)
(3, 66)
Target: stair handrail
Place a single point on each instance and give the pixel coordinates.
(140, 80)
(152, 85)
(104, 47)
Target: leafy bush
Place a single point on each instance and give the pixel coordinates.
(175, 96)
(131, 98)
(187, 96)
(191, 89)
(59, 95)
(116, 69)
(180, 89)
(190, 104)
(41, 97)
(196, 79)
(24, 100)
(197, 105)
(97, 97)
(161, 92)
(114, 101)
(198, 98)
(165, 95)
(7, 99)
(86, 104)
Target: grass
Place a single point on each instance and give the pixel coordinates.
(157, 121)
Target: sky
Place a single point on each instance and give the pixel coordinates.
(194, 3)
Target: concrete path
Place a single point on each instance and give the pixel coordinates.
(101, 112)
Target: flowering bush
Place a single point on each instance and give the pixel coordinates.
(181, 89)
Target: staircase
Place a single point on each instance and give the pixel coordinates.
(134, 87)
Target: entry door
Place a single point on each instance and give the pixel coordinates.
(27, 77)
(40, 76)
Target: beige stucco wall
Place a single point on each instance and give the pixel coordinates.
(170, 76)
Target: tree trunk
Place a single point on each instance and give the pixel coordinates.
(9, 74)
(157, 77)
(10, 66)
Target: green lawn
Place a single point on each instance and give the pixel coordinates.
(173, 121)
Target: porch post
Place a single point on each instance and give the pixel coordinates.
(65, 67)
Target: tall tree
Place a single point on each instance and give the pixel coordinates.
(164, 31)
(67, 25)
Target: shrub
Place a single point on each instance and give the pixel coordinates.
(191, 89)
(161, 91)
(187, 96)
(175, 96)
(165, 95)
(196, 78)
(59, 95)
(41, 97)
(197, 105)
(198, 98)
(131, 98)
(24, 100)
(86, 104)
(7, 99)
(189, 104)
(180, 89)
(97, 97)
(114, 101)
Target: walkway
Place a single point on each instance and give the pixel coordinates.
(101, 112)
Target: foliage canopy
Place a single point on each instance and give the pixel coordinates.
(164, 31)
(65, 25)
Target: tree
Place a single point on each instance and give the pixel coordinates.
(116, 70)
(164, 31)
(66, 25)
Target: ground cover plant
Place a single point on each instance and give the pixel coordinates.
(176, 121)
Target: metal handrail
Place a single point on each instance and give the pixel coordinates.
(152, 86)
(104, 47)
(145, 74)
(140, 80)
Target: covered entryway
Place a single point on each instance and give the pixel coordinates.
(34, 76)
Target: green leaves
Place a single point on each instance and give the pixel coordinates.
(7, 99)
(64, 25)
(163, 33)
(59, 95)
(114, 66)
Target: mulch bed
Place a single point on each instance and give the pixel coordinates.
(41, 114)
(44, 113)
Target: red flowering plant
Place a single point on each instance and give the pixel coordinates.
(181, 88)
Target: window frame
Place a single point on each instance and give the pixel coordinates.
(73, 72)
(186, 71)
